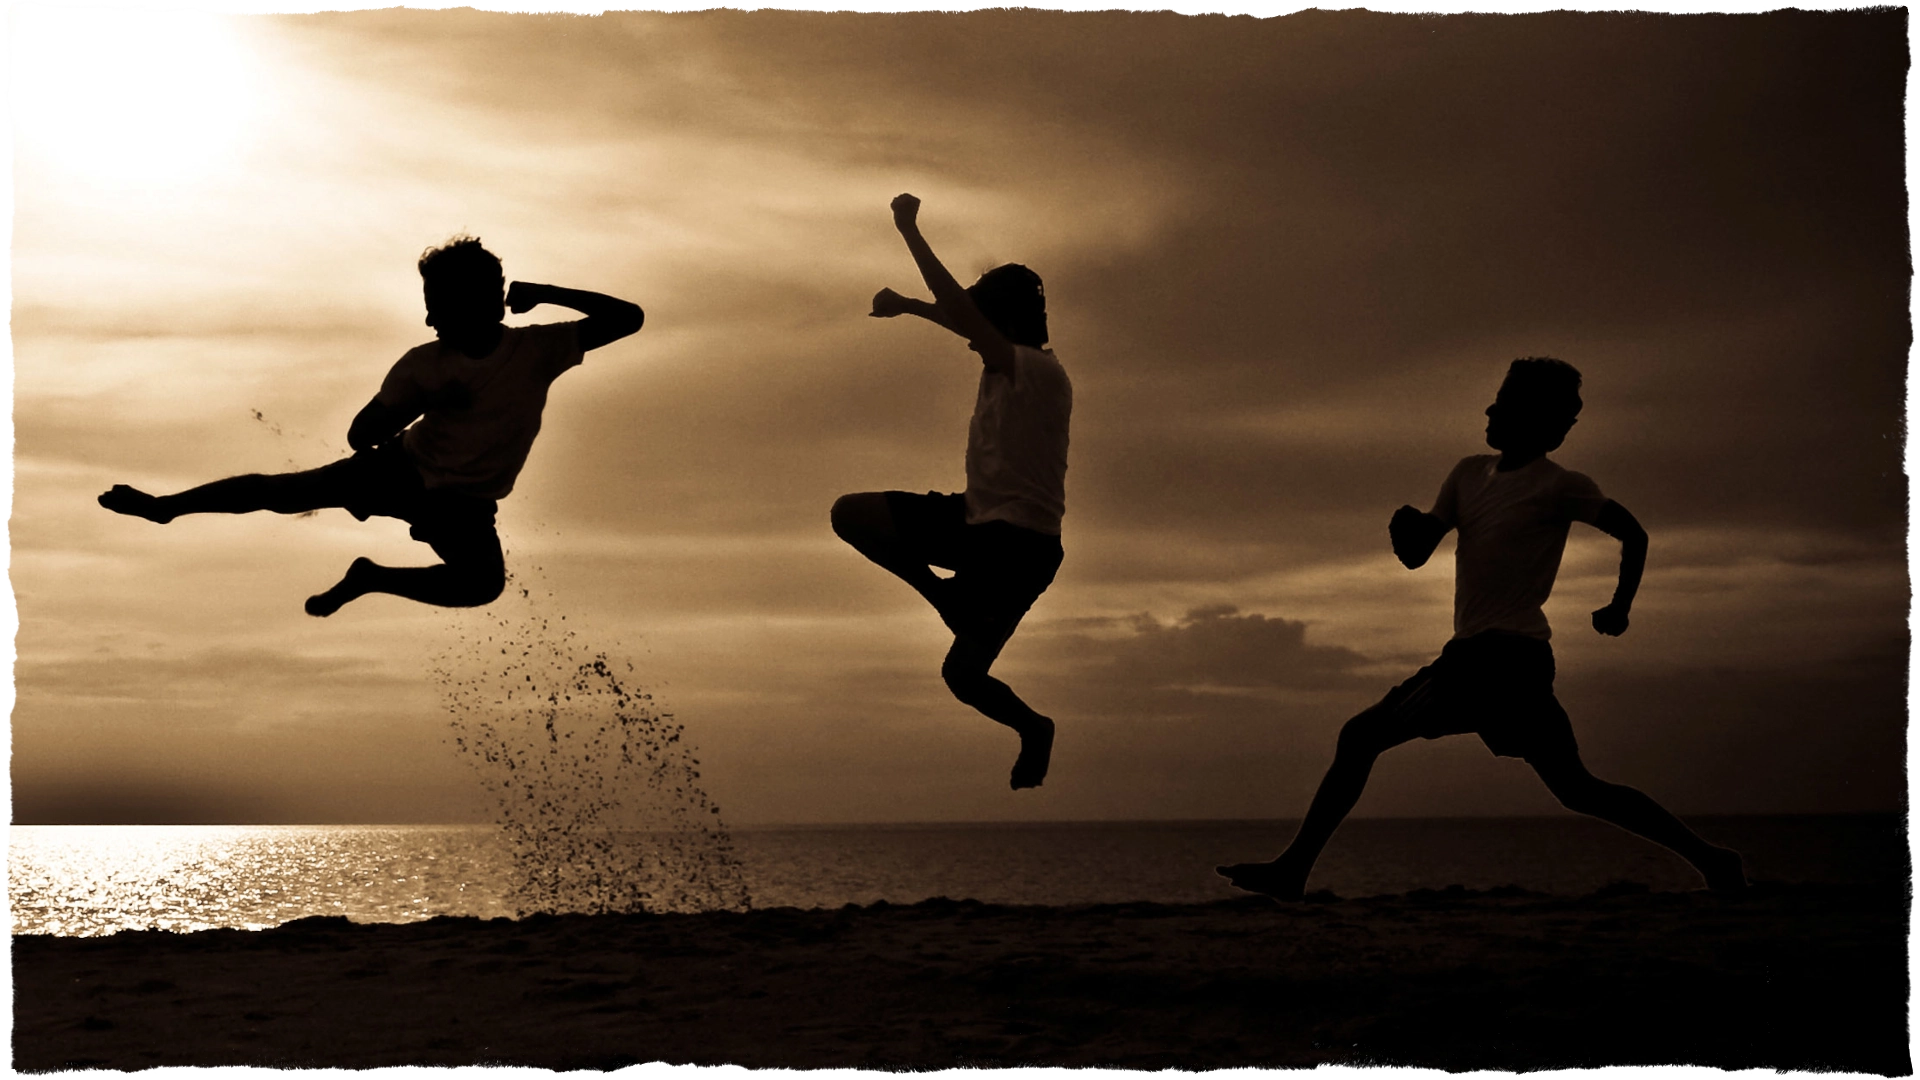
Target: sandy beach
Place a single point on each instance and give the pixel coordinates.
(1789, 977)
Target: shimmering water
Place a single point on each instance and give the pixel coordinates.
(83, 880)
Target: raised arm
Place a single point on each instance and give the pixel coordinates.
(1415, 534)
(608, 318)
(1615, 521)
(957, 310)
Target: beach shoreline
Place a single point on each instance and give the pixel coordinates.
(1785, 977)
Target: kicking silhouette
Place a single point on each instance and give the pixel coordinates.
(477, 392)
(1001, 537)
(1495, 678)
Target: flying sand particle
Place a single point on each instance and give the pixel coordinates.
(595, 787)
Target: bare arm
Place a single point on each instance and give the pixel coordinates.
(376, 423)
(959, 314)
(1415, 534)
(608, 318)
(1615, 521)
(887, 304)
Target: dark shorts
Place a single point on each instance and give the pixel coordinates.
(384, 483)
(1496, 685)
(999, 569)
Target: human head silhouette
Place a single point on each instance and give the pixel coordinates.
(464, 285)
(1015, 302)
(1535, 408)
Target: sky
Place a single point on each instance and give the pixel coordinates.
(1287, 261)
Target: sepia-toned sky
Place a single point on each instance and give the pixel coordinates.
(1287, 261)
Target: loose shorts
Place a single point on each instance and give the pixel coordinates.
(999, 569)
(1496, 685)
(384, 483)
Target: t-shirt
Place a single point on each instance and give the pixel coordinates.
(1017, 444)
(1513, 530)
(480, 415)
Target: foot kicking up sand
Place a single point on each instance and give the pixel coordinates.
(1036, 751)
(133, 502)
(1267, 878)
(350, 588)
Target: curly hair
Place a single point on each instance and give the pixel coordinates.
(462, 260)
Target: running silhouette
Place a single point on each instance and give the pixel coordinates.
(1495, 678)
(477, 393)
(1001, 537)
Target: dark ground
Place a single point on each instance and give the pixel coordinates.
(1788, 977)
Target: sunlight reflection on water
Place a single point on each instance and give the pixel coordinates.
(88, 880)
(82, 880)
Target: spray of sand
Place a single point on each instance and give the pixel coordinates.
(597, 790)
(596, 787)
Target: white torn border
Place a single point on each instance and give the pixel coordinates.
(1732, 6)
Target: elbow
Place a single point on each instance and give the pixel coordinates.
(1633, 549)
(367, 433)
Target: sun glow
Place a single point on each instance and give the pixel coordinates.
(129, 98)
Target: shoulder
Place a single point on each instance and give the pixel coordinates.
(1575, 495)
(419, 360)
(1562, 477)
(560, 337)
(541, 334)
(1041, 362)
(1569, 482)
(1473, 465)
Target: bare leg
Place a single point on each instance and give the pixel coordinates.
(1633, 810)
(1362, 741)
(282, 493)
(474, 574)
(864, 521)
(965, 671)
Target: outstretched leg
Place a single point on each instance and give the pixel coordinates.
(865, 521)
(1362, 741)
(282, 493)
(965, 672)
(1633, 810)
(474, 573)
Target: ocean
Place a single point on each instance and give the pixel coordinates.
(89, 880)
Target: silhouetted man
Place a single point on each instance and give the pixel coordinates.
(477, 393)
(1001, 538)
(1495, 678)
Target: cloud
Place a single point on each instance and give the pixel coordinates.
(204, 678)
(1209, 649)
(1288, 259)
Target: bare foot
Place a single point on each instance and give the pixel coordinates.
(133, 502)
(1036, 752)
(1272, 879)
(1725, 871)
(351, 587)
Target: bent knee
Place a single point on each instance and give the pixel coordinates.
(480, 585)
(965, 680)
(855, 516)
(1362, 736)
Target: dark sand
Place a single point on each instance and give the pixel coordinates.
(1793, 977)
